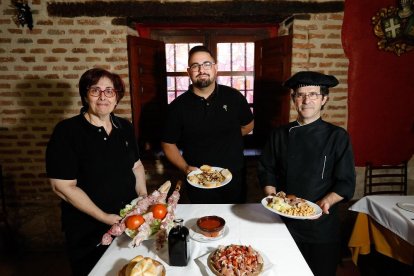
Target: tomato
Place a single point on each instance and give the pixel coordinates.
(134, 221)
(159, 211)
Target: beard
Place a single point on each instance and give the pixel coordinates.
(202, 83)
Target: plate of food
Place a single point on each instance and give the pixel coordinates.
(248, 261)
(406, 206)
(291, 206)
(208, 177)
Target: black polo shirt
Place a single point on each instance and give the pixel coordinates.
(209, 131)
(101, 163)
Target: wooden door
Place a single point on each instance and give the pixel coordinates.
(148, 81)
(273, 59)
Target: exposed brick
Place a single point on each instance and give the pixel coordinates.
(9, 77)
(93, 59)
(55, 94)
(38, 51)
(335, 56)
(44, 22)
(100, 50)
(51, 59)
(55, 32)
(6, 59)
(97, 32)
(51, 76)
(21, 68)
(65, 21)
(121, 67)
(59, 50)
(28, 59)
(18, 51)
(44, 85)
(80, 67)
(304, 45)
(71, 76)
(316, 55)
(31, 77)
(113, 40)
(331, 46)
(40, 68)
(88, 22)
(65, 41)
(60, 68)
(62, 85)
(15, 31)
(33, 32)
(325, 64)
(87, 41)
(44, 41)
(14, 111)
(117, 32)
(316, 36)
(71, 59)
(332, 27)
(119, 50)
(5, 21)
(24, 85)
(334, 36)
(33, 94)
(79, 50)
(77, 32)
(5, 40)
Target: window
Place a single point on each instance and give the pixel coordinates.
(235, 67)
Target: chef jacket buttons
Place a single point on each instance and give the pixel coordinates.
(99, 130)
(105, 138)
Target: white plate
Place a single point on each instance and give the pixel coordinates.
(198, 171)
(318, 210)
(406, 206)
(201, 238)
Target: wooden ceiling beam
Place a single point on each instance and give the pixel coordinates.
(151, 12)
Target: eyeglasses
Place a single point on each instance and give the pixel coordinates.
(109, 92)
(206, 66)
(310, 95)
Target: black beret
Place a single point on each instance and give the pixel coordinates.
(310, 78)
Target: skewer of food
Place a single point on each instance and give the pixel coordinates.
(147, 216)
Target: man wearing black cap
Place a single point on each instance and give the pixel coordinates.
(311, 159)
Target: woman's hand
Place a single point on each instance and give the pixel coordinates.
(189, 169)
(111, 219)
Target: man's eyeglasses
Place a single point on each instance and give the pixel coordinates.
(109, 92)
(310, 95)
(206, 66)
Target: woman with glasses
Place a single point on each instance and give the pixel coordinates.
(312, 159)
(93, 165)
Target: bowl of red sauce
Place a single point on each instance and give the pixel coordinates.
(211, 226)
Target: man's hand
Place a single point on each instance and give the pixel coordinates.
(269, 190)
(328, 201)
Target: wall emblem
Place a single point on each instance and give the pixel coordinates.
(394, 26)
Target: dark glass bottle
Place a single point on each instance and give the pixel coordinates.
(178, 244)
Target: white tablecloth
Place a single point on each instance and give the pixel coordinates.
(384, 210)
(248, 224)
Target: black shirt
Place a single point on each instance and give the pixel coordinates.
(310, 161)
(209, 131)
(102, 165)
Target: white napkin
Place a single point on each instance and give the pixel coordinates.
(269, 269)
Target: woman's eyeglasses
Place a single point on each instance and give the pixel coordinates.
(109, 92)
(206, 66)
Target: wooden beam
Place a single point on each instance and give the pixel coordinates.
(151, 12)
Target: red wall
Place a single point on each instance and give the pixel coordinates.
(381, 89)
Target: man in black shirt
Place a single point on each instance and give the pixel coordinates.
(311, 159)
(208, 122)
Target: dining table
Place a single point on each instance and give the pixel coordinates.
(386, 222)
(245, 224)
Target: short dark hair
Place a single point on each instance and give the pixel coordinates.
(92, 76)
(199, 48)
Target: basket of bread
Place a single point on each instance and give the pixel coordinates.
(142, 266)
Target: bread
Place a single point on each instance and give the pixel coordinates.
(226, 173)
(142, 266)
(206, 168)
(211, 184)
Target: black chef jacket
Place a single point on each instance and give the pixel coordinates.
(209, 132)
(310, 161)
